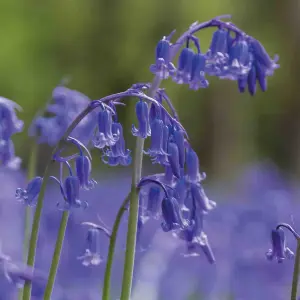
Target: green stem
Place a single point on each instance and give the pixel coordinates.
(30, 174)
(56, 255)
(35, 231)
(133, 210)
(39, 206)
(296, 272)
(111, 250)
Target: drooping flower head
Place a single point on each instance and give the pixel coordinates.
(92, 255)
(279, 249)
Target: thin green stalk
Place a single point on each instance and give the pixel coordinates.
(56, 255)
(27, 224)
(296, 272)
(35, 231)
(111, 250)
(40, 201)
(132, 222)
(133, 210)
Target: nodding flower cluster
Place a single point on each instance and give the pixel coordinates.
(9, 125)
(232, 54)
(176, 196)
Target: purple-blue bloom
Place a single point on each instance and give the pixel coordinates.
(142, 114)
(92, 255)
(279, 249)
(104, 135)
(184, 68)
(117, 154)
(83, 172)
(29, 195)
(70, 192)
(163, 67)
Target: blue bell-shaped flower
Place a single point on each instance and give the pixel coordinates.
(163, 67)
(192, 165)
(117, 154)
(157, 135)
(198, 79)
(29, 195)
(184, 68)
(173, 159)
(70, 192)
(260, 54)
(279, 249)
(83, 172)
(171, 213)
(142, 115)
(217, 56)
(104, 135)
(198, 193)
(7, 155)
(92, 255)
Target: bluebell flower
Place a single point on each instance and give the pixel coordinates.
(178, 137)
(104, 135)
(142, 114)
(7, 155)
(117, 154)
(200, 244)
(192, 167)
(198, 193)
(217, 55)
(83, 172)
(70, 192)
(163, 67)
(173, 159)
(157, 130)
(9, 122)
(181, 192)
(261, 75)
(184, 68)
(66, 106)
(260, 54)
(162, 158)
(198, 79)
(9, 125)
(279, 249)
(155, 111)
(240, 59)
(30, 194)
(153, 198)
(171, 213)
(92, 255)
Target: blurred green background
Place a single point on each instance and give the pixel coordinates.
(105, 46)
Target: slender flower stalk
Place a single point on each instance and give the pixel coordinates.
(31, 174)
(111, 250)
(296, 273)
(134, 208)
(56, 255)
